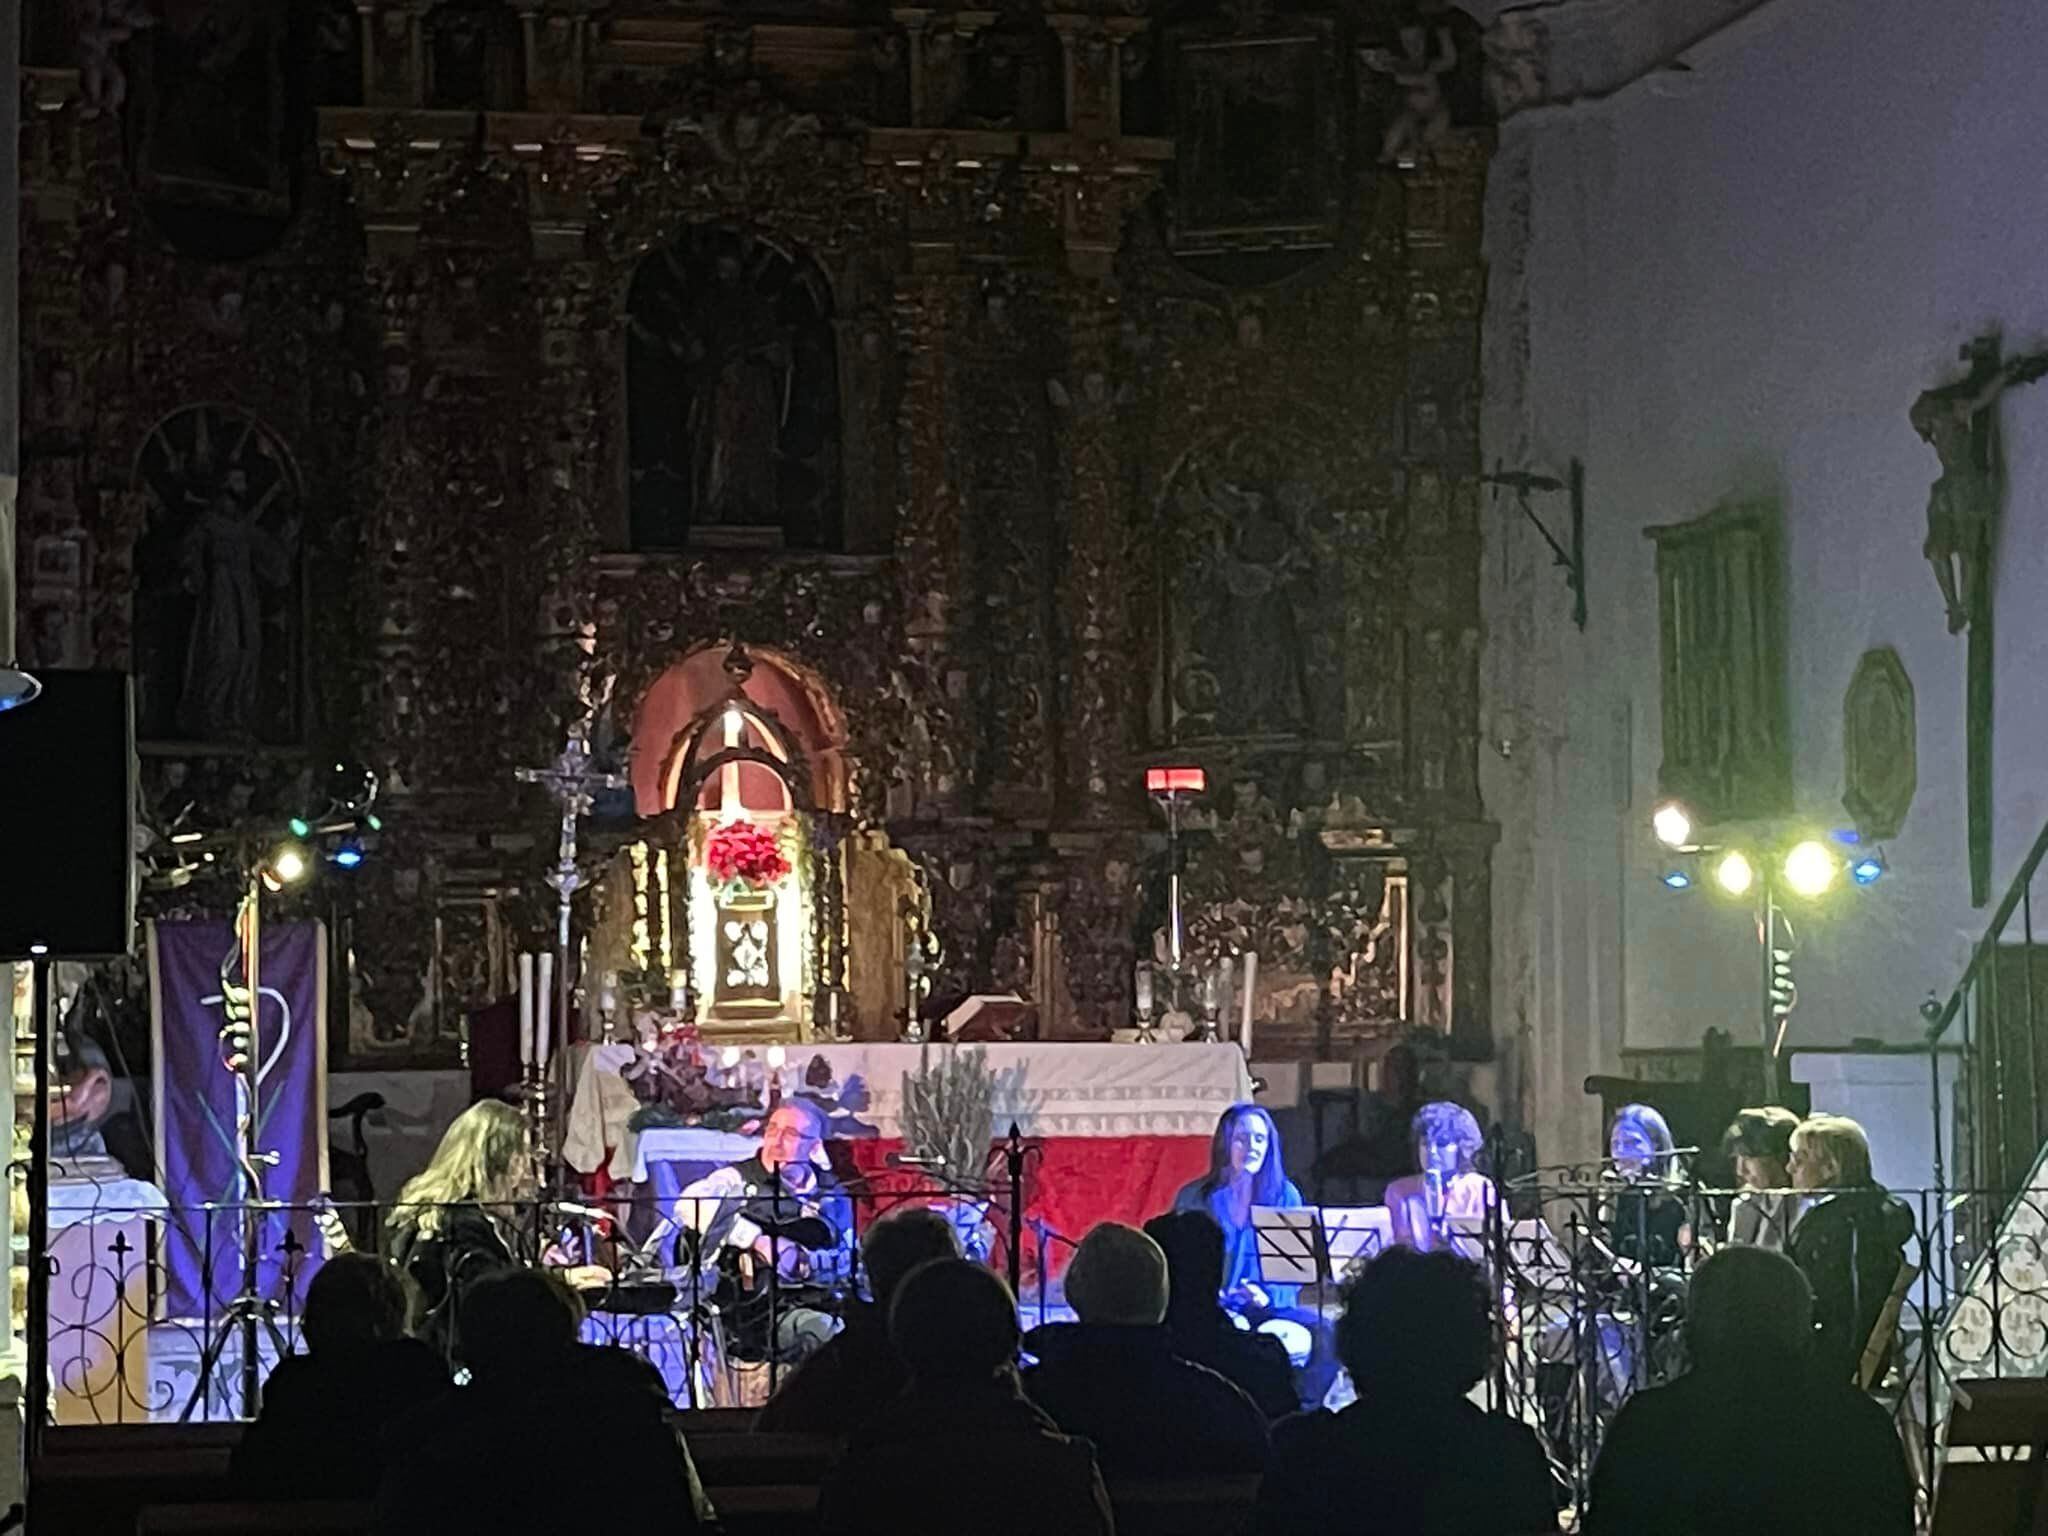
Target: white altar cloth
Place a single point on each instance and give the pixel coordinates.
(1049, 1088)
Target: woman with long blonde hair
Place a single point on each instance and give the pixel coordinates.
(457, 1220)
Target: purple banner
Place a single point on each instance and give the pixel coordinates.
(197, 1107)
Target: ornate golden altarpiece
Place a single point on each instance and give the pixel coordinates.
(1056, 391)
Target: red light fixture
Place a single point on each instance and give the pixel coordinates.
(1175, 781)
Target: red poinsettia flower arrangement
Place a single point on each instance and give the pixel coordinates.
(742, 853)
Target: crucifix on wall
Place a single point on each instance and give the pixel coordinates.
(1959, 421)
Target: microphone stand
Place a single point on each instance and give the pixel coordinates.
(1014, 1153)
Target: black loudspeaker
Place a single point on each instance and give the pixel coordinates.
(67, 819)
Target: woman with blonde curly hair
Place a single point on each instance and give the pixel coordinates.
(457, 1220)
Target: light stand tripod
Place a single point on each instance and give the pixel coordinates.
(249, 1314)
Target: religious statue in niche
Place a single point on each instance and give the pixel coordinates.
(1956, 420)
(732, 396)
(217, 592)
(1241, 664)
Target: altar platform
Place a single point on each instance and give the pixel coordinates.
(1113, 1131)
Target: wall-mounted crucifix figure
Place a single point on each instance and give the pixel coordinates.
(1959, 421)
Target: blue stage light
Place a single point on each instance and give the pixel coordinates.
(1847, 835)
(1866, 870)
(1678, 880)
(349, 854)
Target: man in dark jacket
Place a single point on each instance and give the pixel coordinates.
(1746, 1441)
(489, 1457)
(857, 1371)
(1113, 1377)
(1201, 1330)
(324, 1411)
(963, 1449)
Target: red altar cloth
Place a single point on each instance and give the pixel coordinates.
(1070, 1183)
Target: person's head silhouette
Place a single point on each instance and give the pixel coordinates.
(1417, 1326)
(1118, 1277)
(355, 1299)
(517, 1318)
(899, 1242)
(1748, 1309)
(1193, 1245)
(953, 1324)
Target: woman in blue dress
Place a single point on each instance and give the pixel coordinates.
(1245, 1171)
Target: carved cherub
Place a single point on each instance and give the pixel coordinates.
(1962, 506)
(1422, 69)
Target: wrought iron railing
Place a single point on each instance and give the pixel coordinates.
(154, 1313)
(1997, 1015)
(1578, 1333)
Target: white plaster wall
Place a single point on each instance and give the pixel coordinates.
(1736, 291)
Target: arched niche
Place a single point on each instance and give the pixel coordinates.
(780, 704)
(733, 746)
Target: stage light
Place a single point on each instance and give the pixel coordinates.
(1678, 880)
(349, 854)
(300, 826)
(287, 866)
(1735, 874)
(1867, 870)
(1671, 824)
(1810, 869)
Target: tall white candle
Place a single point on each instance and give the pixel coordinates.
(1226, 996)
(1251, 982)
(525, 1010)
(1142, 985)
(543, 1007)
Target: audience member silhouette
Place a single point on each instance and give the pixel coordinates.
(492, 1455)
(1413, 1456)
(963, 1448)
(1113, 1377)
(324, 1411)
(1199, 1328)
(856, 1371)
(1743, 1442)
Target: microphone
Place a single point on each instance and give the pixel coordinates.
(580, 1212)
(1433, 1194)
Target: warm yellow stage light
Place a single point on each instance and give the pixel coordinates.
(1671, 824)
(1810, 868)
(288, 864)
(1734, 874)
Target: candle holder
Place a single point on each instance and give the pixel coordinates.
(1204, 1030)
(534, 1097)
(1142, 995)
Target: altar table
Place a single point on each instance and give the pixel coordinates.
(1116, 1130)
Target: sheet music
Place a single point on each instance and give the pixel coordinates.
(1355, 1234)
(1289, 1244)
